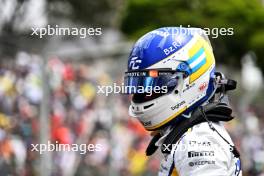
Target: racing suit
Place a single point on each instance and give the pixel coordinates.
(202, 152)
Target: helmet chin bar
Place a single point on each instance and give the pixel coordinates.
(175, 89)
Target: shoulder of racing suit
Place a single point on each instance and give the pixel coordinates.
(201, 151)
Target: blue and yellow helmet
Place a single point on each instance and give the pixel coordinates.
(170, 72)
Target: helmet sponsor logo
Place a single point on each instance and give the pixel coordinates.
(203, 86)
(148, 123)
(171, 49)
(135, 73)
(153, 73)
(188, 87)
(134, 63)
(177, 106)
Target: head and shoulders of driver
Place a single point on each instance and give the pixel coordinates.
(180, 62)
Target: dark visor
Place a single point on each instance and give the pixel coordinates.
(148, 80)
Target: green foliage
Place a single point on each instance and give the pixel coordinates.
(246, 17)
(95, 13)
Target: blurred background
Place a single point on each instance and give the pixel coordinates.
(48, 86)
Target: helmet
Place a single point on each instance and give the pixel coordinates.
(179, 62)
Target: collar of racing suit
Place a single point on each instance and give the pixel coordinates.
(211, 112)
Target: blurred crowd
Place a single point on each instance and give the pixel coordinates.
(77, 114)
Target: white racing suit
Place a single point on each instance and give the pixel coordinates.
(202, 152)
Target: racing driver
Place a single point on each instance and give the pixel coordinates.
(187, 119)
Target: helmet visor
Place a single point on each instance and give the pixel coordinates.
(149, 81)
